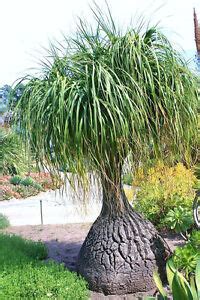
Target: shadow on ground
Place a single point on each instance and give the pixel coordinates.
(63, 252)
(173, 240)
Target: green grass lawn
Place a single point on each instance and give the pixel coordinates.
(24, 274)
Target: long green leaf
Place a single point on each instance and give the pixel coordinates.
(197, 278)
(170, 270)
(180, 288)
(159, 285)
(193, 289)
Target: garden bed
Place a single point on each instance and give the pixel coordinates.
(64, 242)
(25, 273)
(25, 186)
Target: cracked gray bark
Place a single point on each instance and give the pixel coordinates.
(121, 250)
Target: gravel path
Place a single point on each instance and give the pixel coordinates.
(57, 208)
(64, 242)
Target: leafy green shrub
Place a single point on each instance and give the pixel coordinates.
(185, 259)
(4, 222)
(179, 219)
(181, 288)
(42, 281)
(37, 186)
(24, 276)
(15, 180)
(28, 181)
(163, 188)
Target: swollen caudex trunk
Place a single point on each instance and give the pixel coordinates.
(121, 250)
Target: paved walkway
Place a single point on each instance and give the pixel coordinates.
(57, 208)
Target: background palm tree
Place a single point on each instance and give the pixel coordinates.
(110, 95)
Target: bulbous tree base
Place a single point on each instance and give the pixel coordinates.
(120, 254)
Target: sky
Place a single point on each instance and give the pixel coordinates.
(27, 26)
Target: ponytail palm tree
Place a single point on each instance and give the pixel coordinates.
(109, 96)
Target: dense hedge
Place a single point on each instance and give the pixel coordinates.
(24, 274)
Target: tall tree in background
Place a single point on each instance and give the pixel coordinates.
(108, 96)
(8, 99)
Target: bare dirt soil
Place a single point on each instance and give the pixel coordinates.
(64, 242)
